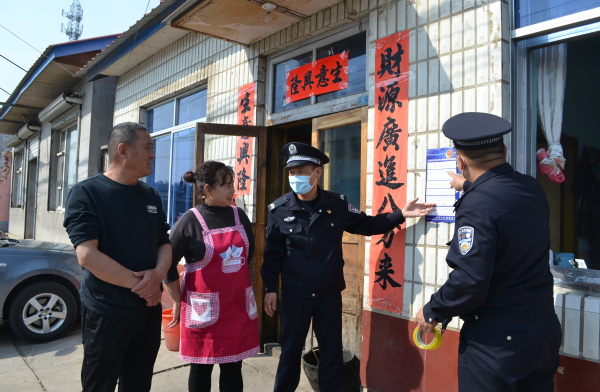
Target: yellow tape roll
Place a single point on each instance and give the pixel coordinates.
(437, 340)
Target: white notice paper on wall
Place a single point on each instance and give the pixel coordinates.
(440, 161)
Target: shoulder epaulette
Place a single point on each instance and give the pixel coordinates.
(279, 202)
(334, 195)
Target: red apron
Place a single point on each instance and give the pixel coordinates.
(219, 318)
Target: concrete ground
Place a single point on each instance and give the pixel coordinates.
(55, 367)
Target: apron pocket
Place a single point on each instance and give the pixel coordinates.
(251, 307)
(202, 309)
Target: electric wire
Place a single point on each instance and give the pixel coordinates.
(4, 90)
(136, 34)
(37, 50)
(13, 63)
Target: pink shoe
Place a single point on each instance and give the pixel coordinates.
(545, 167)
(557, 176)
(541, 154)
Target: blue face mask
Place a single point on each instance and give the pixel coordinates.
(301, 184)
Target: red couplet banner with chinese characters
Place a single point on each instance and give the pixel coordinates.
(386, 278)
(244, 145)
(246, 104)
(243, 165)
(319, 77)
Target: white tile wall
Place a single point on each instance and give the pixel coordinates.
(462, 61)
(407, 300)
(442, 267)
(408, 263)
(419, 258)
(433, 116)
(417, 298)
(434, 76)
(469, 28)
(430, 266)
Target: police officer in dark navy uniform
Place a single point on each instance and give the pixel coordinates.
(501, 285)
(304, 246)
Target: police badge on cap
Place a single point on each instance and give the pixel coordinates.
(299, 154)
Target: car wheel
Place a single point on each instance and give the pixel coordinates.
(43, 311)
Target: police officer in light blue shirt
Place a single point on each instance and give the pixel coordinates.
(501, 285)
(304, 246)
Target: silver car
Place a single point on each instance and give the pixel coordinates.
(39, 288)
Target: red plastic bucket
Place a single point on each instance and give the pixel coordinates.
(171, 334)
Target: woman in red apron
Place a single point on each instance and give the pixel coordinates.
(219, 318)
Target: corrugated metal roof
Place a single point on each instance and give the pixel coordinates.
(36, 71)
(168, 6)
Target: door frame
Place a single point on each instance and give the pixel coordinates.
(260, 133)
(359, 115)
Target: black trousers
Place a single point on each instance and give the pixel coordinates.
(296, 314)
(230, 377)
(122, 348)
(515, 358)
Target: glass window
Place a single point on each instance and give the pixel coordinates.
(342, 174)
(71, 169)
(60, 169)
(528, 12)
(279, 88)
(182, 193)
(175, 150)
(159, 178)
(356, 46)
(161, 117)
(66, 165)
(192, 107)
(17, 180)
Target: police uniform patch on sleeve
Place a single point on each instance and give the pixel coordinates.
(465, 239)
(342, 197)
(351, 208)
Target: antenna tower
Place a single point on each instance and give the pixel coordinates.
(75, 15)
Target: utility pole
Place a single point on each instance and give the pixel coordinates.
(75, 15)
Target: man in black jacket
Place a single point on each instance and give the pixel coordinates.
(119, 231)
(501, 285)
(304, 245)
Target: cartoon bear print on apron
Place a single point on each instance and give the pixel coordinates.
(219, 317)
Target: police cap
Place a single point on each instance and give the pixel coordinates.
(476, 131)
(298, 154)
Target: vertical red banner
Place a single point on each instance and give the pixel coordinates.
(386, 278)
(243, 165)
(244, 145)
(246, 104)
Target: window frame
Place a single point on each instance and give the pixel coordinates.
(521, 142)
(522, 139)
(17, 199)
(173, 130)
(552, 25)
(176, 99)
(315, 108)
(56, 149)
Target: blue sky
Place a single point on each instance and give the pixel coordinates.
(38, 22)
